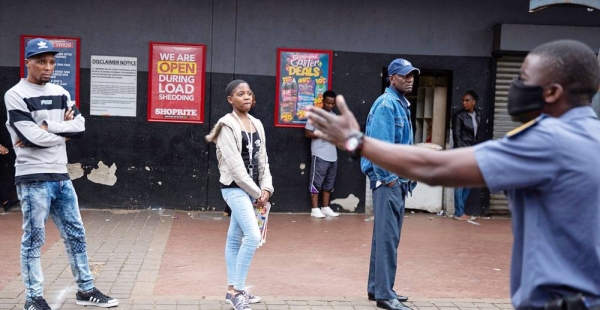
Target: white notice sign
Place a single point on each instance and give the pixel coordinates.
(113, 86)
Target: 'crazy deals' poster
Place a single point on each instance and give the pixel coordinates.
(302, 78)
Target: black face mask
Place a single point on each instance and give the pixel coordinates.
(525, 102)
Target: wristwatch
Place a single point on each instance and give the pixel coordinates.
(354, 144)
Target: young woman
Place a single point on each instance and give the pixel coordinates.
(245, 180)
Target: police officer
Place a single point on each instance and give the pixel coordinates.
(548, 168)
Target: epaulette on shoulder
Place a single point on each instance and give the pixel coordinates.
(523, 128)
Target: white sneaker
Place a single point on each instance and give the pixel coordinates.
(327, 211)
(316, 212)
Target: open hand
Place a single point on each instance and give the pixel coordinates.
(334, 128)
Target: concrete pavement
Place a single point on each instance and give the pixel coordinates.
(168, 259)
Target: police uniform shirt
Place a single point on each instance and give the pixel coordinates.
(596, 103)
(550, 171)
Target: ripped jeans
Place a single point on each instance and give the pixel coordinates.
(59, 200)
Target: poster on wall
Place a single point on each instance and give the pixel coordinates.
(66, 72)
(176, 82)
(302, 78)
(113, 86)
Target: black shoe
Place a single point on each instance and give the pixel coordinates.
(391, 304)
(37, 303)
(95, 298)
(400, 297)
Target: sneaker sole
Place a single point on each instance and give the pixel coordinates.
(89, 303)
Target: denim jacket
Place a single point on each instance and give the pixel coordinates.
(388, 120)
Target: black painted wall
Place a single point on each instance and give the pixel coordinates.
(163, 165)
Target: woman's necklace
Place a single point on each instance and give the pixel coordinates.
(250, 146)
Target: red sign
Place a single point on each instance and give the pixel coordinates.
(176, 82)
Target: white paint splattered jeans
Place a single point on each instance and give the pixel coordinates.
(243, 236)
(59, 200)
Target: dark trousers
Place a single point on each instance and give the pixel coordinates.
(388, 209)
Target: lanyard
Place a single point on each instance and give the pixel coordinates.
(250, 145)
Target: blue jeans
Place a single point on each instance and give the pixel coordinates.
(59, 200)
(388, 211)
(460, 199)
(243, 236)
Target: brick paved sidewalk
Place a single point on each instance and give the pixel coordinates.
(155, 259)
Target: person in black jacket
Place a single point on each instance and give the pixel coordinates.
(465, 133)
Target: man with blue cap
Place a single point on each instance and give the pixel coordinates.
(389, 120)
(41, 119)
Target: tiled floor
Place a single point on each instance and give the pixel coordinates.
(165, 259)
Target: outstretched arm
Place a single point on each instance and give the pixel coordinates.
(451, 168)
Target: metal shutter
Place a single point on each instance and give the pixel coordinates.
(507, 67)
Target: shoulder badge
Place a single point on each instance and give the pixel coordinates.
(515, 132)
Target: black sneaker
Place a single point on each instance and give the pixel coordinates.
(95, 298)
(37, 303)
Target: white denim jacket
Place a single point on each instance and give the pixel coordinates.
(227, 135)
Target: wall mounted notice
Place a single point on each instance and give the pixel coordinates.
(113, 86)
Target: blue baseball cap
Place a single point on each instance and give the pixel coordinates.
(402, 67)
(39, 46)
